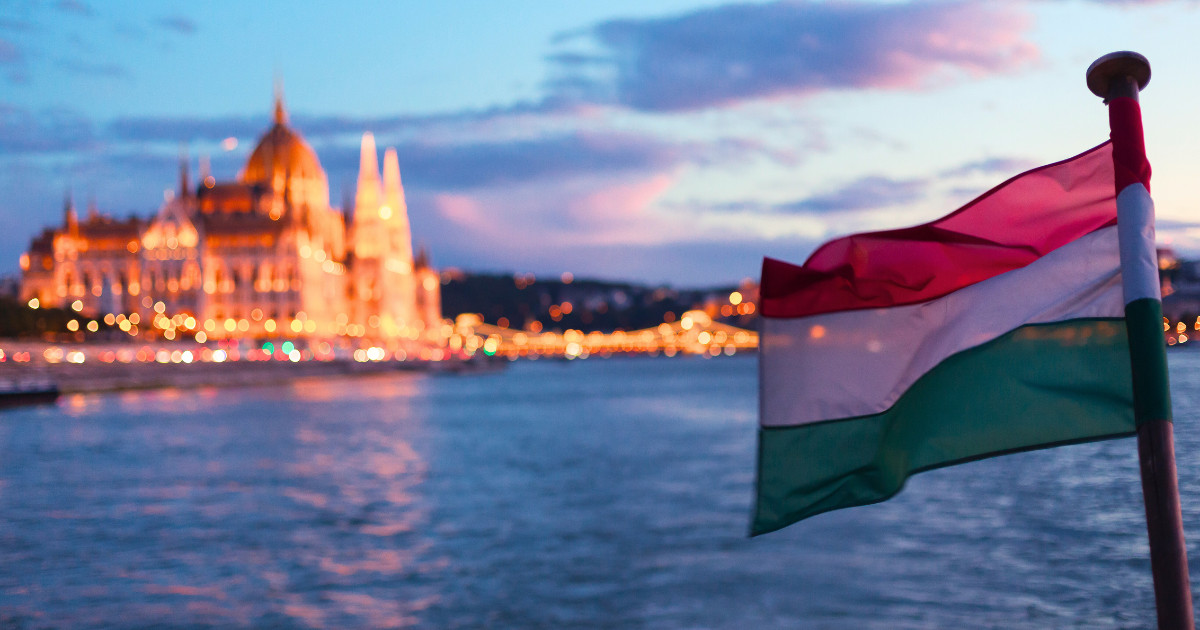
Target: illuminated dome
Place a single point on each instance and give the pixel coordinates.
(282, 151)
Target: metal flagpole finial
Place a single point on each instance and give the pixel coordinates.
(1125, 63)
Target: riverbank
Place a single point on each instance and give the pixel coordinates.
(26, 365)
(119, 376)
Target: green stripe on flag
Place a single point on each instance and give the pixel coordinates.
(1148, 354)
(1037, 386)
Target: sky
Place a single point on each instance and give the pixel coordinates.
(670, 142)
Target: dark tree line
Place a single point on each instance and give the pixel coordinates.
(18, 321)
(519, 300)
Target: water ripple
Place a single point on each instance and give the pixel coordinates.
(599, 494)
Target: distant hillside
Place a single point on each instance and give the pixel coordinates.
(517, 301)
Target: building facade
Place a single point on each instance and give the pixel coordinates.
(259, 257)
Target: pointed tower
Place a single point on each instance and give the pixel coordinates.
(393, 200)
(70, 218)
(368, 238)
(184, 191)
(393, 190)
(281, 117)
(367, 198)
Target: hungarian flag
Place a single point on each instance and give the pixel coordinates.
(999, 328)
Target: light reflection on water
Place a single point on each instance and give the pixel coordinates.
(602, 494)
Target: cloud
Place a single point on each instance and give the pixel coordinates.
(130, 31)
(179, 24)
(866, 193)
(699, 262)
(74, 6)
(538, 221)
(14, 26)
(991, 166)
(56, 130)
(316, 128)
(93, 68)
(625, 201)
(1176, 224)
(182, 129)
(9, 53)
(463, 210)
(472, 149)
(467, 166)
(720, 56)
(566, 155)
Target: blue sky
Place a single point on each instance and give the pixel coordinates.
(670, 142)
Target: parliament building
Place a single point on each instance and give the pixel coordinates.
(261, 257)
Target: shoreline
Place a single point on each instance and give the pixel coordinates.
(37, 366)
(73, 379)
(102, 376)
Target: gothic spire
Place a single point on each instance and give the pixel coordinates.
(367, 198)
(70, 219)
(183, 172)
(393, 198)
(281, 117)
(393, 189)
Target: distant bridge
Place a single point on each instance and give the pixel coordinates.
(694, 333)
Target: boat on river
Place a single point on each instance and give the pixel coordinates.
(16, 393)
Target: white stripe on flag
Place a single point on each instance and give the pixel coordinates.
(1139, 259)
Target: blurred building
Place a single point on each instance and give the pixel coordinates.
(262, 256)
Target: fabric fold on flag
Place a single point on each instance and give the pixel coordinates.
(996, 329)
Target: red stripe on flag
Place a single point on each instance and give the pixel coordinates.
(1129, 147)
(1006, 228)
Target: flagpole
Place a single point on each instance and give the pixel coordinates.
(1118, 77)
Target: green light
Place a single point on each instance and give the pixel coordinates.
(268, 347)
(288, 347)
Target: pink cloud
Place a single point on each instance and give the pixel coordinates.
(462, 210)
(619, 210)
(723, 55)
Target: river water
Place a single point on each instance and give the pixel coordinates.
(591, 494)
